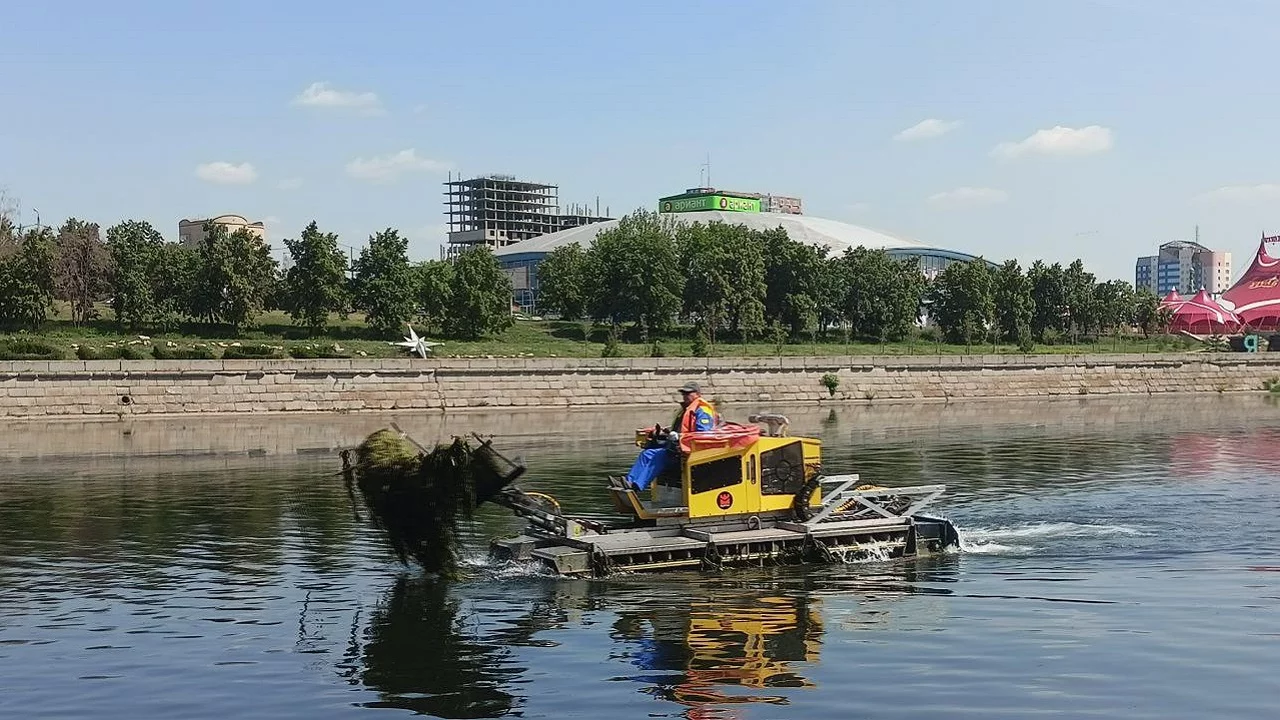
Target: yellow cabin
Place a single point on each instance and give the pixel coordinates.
(730, 472)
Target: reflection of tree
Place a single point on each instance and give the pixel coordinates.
(417, 656)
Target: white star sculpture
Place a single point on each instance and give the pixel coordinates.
(415, 344)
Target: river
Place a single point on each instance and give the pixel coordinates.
(1121, 558)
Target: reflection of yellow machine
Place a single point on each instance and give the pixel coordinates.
(758, 643)
(741, 496)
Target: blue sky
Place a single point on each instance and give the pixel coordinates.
(1094, 129)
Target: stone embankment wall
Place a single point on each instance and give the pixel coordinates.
(113, 388)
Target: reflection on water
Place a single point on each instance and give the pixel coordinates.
(416, 653)
(155, 575)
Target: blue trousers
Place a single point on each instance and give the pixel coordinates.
(649, 465)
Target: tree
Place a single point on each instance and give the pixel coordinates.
(562, 282)
(385, 288)
(1082, 310)
(176, 279)
(136, 251)
(1014, 305)
(233, 277)
(883, 294)
(433, 287)
(26, 279)
(963, 301)
(479, 296)
(1114, 301)
(316, 284)
(724, 272)
(635, 272)
(1146, 311)
(82, 268)
(1049, 294)
(833, 291)
(793, 276)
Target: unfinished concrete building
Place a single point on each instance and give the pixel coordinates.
(498, 210)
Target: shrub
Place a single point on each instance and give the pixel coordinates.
(831, 381)
(253, 352)
(111, 352)
(611, 347)
(701, 343)
(198, 351)
(313, 351)
(929, 334)
(1271, 385)
(23, 349)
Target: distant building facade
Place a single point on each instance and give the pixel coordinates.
(1184, 266)
(191, 232)
(705, 199)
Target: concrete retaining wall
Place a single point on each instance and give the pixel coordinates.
(113, 387)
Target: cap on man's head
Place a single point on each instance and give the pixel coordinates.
(690, 387)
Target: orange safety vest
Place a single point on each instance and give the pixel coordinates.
(686, 421)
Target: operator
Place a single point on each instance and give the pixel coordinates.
(670, 444)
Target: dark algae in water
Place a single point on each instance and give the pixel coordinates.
(418, 497)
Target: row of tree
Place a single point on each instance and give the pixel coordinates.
(230, 278)
(650, 270)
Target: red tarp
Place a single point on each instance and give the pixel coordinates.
(1255, 298)
(1202, 316)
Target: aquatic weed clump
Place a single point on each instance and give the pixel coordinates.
(419, 498)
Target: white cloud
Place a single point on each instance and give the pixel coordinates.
(225, 173)
(389, 168)
(322, 94)
(292, 183)
(927, 130)
(1243, 194)
(419, 109)
(963, 197)
(1058, 140)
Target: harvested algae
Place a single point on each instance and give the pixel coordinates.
(418, 499)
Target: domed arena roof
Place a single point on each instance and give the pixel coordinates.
(815, 231)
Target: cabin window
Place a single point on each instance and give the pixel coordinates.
(782, 469)
(716, 474)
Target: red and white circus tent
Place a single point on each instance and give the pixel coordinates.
(1202, 316)
(1255, 298)
(1172, 298)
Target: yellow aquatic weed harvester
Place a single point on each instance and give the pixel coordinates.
(744, 495)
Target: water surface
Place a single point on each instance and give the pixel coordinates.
(1121, 559)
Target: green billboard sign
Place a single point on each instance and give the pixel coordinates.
(698, 203)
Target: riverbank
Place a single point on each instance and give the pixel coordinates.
(118, 388)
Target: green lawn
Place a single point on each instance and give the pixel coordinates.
(536, 339)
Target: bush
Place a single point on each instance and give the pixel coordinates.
(656, 350)
(312, 351)
(253, 352)
(22, 349)
(831, 381)
(701, 343)
(111, 352)
(190, 352)
(611, 347)
(929, 334)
